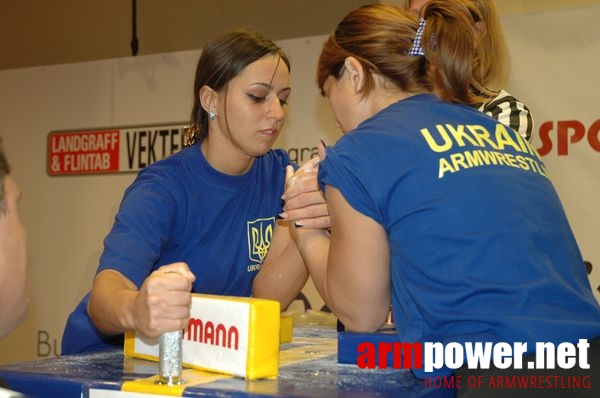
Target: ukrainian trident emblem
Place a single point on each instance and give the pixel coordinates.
(260, 233)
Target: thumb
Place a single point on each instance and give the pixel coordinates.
(289, 172)
(180, 268)
(321, 149)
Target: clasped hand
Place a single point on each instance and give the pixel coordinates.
(164, 301)
(305, 203)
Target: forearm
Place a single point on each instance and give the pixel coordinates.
(313, 245)
(349, 289)
(112, 303)
(359, 296)
(350, 269)
(282, 277)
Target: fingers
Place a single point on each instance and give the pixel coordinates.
(305, 204)
(289, 177)
(307, 170)
(305, 178)
(302, 180)
(164, 300)
(299, 184)
(313, 223)
(309, 165)
(179, 268)
(311, 216)
(321, 149)
(308, 210)
(297, 203)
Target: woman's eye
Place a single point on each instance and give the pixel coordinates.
(256, 98)
(259, 99)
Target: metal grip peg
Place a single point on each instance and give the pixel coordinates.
(170, 358)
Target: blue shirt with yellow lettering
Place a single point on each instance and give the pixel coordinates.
(481, 249)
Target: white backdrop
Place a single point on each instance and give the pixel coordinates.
(555, 60)
(67, 217)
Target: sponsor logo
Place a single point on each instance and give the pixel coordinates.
(207, 332)
(561, 135)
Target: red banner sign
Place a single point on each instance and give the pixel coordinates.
(112, 150)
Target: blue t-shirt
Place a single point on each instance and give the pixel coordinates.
(182, 209)
(481, 249)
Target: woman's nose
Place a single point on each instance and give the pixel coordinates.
(276, 109)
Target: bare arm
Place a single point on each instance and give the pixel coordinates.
(351, 267)
(283, 273)
(162, 304)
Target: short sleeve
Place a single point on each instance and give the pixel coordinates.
(346, 169)
(141, 228)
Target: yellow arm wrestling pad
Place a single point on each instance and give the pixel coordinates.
(231, 335)
(285, 330)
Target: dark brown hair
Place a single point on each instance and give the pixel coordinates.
(222, 60)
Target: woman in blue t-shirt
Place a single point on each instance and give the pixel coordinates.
(204, 220)
(437, 209)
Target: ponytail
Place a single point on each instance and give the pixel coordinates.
(450, 46)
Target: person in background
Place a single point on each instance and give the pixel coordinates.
(490, 71)
(492, 66)
(204, 220)
(438, 209)
(13, 253)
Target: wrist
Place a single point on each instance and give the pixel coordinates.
(126, 301)
(305, 237)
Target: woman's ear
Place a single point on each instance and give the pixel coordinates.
(356, 73)
(207, 98)
(480, 31)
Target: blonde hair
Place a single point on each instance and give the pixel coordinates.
(492, 51)
(492, 62)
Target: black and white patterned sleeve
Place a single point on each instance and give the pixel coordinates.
(510, 111)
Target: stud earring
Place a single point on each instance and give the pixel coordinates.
(212, 115)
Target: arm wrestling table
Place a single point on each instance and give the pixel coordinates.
(308, 367)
